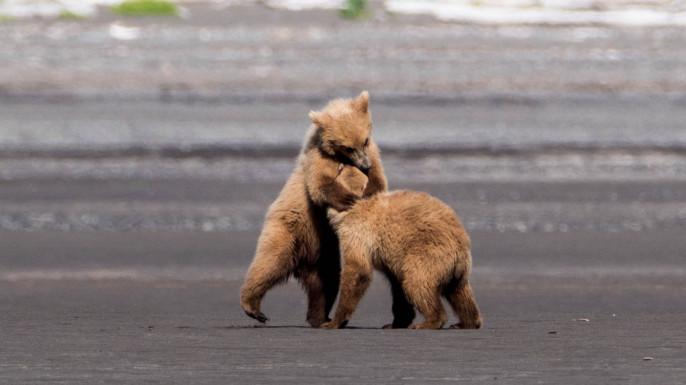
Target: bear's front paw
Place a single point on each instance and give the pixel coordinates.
(344, 201)
(333, 325)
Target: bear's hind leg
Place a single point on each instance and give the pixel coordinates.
(461, 299)
(321, 287)
(355, 279)
(273, 264)
(426, 298)
(256, 285)
(403, 311)
(330, 274)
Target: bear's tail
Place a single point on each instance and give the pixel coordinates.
(461, 297)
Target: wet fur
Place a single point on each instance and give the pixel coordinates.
(296, 239)
(418, 242)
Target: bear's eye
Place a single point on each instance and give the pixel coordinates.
(349, 149)
(366, 142)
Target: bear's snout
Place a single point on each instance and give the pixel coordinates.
(363, 163)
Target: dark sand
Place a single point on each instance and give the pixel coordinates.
(573, 136)
(546, 319)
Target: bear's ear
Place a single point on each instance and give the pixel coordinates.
(319, 119)
(362, 102)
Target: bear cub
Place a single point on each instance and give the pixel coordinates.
(297, 239)
(418, 242)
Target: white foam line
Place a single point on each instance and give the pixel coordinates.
(88, 8)
(145, 274)
(51, 9)
(507, 12)
(195, 274)
(583, 271)
(299, 5)
(460, 12)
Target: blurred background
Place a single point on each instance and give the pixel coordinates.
(141, 144)
(524, 115)
(140, 127)
(184, 118)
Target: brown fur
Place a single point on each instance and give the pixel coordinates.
(421, 246)
(296, 239)
(353, 179)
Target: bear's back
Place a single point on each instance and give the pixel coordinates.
(402, 217)
(418, 208)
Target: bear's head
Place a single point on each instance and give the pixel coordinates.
(344, 129)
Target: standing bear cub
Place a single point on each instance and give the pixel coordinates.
(420, 245)
(297, 239)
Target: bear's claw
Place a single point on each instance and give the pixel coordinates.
(258, 316)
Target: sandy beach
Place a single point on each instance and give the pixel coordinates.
(138, 157)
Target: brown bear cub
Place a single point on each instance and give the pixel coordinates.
(297, 239)
(420, 245)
